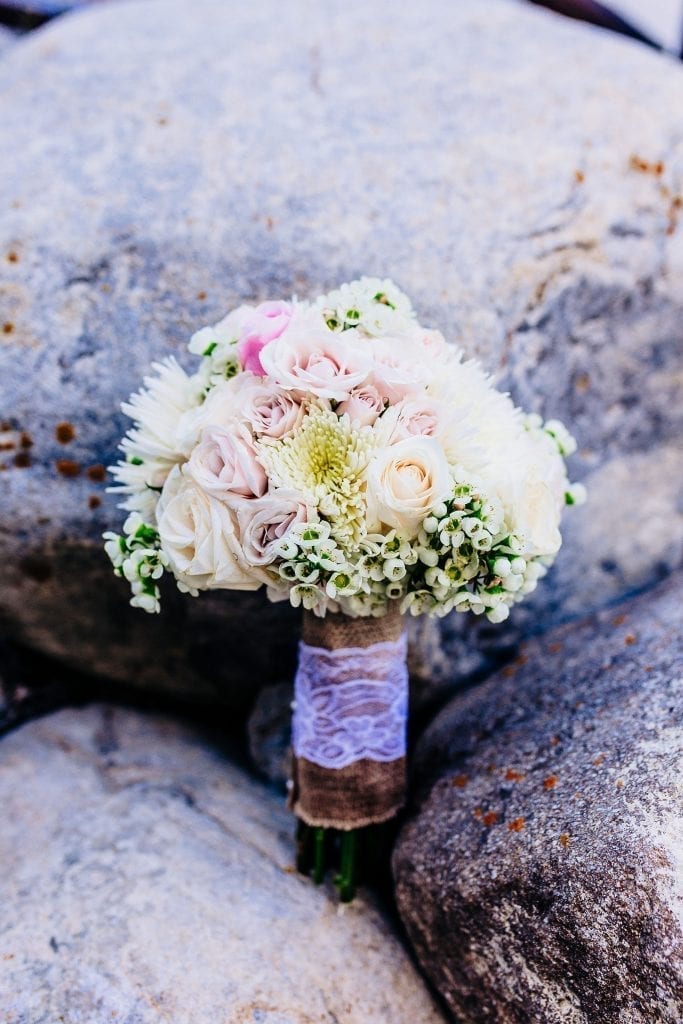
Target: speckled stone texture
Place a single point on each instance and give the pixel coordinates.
(518, 174)
(541, 876)
(145, 879)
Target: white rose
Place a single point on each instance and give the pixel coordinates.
(397, 370)
(224, 464)
(198, 536)
(433, 344)
(218, 410)
(266, 520)
(537, 518)
(404, 482)
(308, 358)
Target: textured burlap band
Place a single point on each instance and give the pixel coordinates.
(365, 792)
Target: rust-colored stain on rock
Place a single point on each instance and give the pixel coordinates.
(68, 468)
(654, 167)
(94, 501)
(629, 639)
(565, 839)
(550, 782)
(513, 776)
(12, 256)
(460, 781)
(22, 460)
(65, 432)
(516, 825)
(96, 473)
(490, 818)
(7, 327)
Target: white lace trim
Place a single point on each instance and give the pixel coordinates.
(351, 703)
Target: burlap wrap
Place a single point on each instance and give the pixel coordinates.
(365, 792)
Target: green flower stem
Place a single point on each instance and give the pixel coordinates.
(319, 855)
(347, 866)
(304, 848)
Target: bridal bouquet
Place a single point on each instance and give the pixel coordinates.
(351, 462)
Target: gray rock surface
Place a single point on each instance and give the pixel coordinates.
(518, 174)
(269, 729)
(541, 877)
(145, 879)
(7, 38)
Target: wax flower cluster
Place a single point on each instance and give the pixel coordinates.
(344, 457)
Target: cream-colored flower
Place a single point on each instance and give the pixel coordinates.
(537, 518)
(404, 481)
(199, 538)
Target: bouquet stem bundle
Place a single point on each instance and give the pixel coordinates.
(349, 771)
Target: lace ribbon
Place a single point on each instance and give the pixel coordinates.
(351, 703)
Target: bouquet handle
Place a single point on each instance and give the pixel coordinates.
(349, 732)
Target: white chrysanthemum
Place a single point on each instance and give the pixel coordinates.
(325, 461)
(514, 456)
(151, 447)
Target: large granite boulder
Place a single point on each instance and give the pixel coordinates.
(144, 878)
(541, 876)
(162, 162)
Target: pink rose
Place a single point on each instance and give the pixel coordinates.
(393, 373)
(267, 520)
(259, 327)
(224, 464)
(308, 357)
(363, 405)
(416, 416)
(269, 411)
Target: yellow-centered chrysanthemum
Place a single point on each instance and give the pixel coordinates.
(325, 460)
